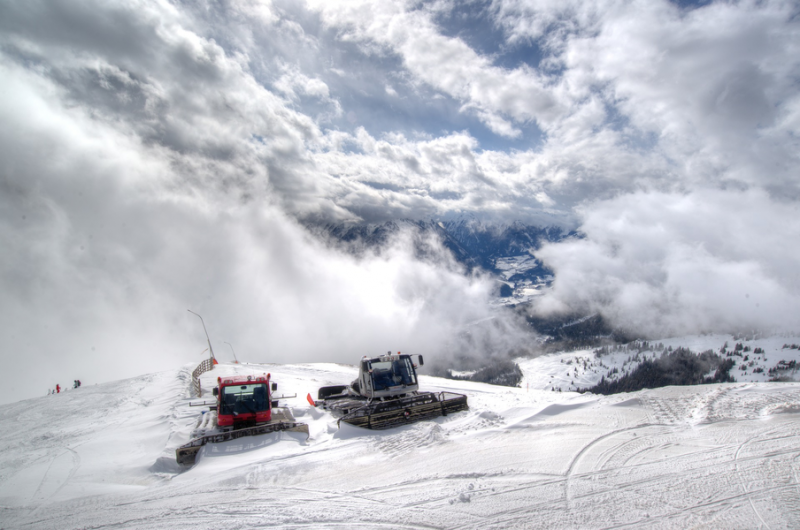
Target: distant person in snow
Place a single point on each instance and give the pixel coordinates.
(58, 389)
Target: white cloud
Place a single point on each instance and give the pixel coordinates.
(683, 263)
(700, 83)
(133, 191)
(649, 96)
(446, 63)
(155, 156)
(293, 82)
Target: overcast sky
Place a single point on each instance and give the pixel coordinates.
(157, 156)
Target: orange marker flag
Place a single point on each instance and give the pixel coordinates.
(311, 401)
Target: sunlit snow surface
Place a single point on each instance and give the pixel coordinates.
(714, 456)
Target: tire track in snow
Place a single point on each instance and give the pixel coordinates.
(663, 438)
(695, 456)
(76, 463)
(756, 459)
(723, 502)
(54, 475)
(525, 513)
(762, 437)
(585, 449)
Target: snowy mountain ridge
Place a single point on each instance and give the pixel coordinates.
(708, 456)
(505, 250)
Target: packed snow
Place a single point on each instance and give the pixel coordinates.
(710, 456)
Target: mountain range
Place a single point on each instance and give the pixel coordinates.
(504, 250)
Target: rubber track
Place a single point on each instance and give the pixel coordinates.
(187, 453)
(387, 414)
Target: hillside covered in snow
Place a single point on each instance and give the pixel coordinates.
(754, 359)
(708, 456)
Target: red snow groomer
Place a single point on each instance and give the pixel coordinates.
(244, 407)
(244, 401)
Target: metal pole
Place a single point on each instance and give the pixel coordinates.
(204, 329)
(234, 353)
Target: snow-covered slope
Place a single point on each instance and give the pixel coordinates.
(583, 368)
(714, 456)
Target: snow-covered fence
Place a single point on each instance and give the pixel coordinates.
(202, 368)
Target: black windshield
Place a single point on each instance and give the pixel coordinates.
(389, 374)
(244, 399)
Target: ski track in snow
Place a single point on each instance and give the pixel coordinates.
(711, 456)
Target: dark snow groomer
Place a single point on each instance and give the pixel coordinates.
(386, 394)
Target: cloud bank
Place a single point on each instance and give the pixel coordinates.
(160, 156)
(668, 264)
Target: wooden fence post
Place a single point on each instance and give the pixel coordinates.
(203, 367)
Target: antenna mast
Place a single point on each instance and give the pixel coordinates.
(234, 353)
(204, 329)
